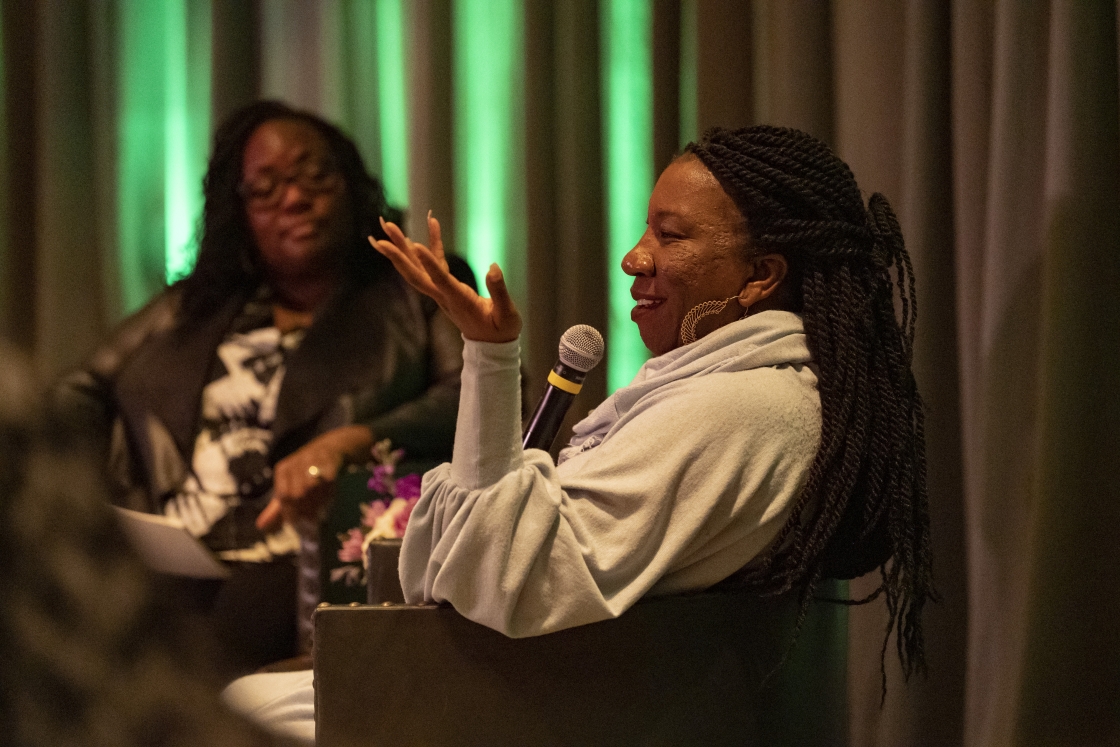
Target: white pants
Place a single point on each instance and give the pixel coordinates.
(281, 702)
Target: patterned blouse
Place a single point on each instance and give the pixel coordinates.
(230, 481)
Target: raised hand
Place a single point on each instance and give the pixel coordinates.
(493, 319)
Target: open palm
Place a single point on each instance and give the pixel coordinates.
(493, 319)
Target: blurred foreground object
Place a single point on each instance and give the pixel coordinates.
(91, 655)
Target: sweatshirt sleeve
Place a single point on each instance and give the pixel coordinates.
(686, 488)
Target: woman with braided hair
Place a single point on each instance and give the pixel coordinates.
(773, 441)
(764, 289)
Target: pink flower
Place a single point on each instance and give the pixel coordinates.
(371, 511)
(408, 487)
(378, 483)
(351, 550)
(401, 522)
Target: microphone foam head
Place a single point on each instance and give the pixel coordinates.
(582, 347)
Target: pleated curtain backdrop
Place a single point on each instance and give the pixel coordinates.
(993, 127)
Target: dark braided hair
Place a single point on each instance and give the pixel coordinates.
(864, 504)
(228, 260)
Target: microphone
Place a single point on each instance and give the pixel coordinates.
(581, 349)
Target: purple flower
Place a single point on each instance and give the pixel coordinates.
(378, 483)
(408, 486)
(351, 550)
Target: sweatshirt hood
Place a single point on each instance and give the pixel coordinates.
(769, 338)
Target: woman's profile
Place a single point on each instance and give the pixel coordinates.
(775, 439)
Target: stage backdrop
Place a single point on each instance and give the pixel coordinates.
(535, 132)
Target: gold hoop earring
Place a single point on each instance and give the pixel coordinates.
(698, 312)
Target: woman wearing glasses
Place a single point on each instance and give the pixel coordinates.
(233, 399)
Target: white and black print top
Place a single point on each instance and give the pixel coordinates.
(230, 481)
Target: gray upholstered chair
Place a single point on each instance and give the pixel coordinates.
(704, 669)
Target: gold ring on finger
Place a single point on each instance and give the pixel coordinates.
(315, 472)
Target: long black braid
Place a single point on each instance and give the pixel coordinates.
(864, 504)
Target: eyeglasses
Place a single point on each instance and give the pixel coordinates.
(314, 176)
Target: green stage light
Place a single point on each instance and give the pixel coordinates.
(140, 133)
(626, 31)
(163, 74)
(392, 101)
(487, 64)
(186, 122)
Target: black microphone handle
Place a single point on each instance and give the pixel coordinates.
(546, 420)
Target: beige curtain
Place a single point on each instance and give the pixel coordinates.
(1039, 332)
(994, 129)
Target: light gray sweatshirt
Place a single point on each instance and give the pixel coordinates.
(671, 484)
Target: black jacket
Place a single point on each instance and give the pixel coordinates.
(378, 354)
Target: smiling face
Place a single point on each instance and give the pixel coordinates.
(693, 250)
(295, 199)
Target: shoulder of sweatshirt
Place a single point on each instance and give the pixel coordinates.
(771, 392)
(778, 405)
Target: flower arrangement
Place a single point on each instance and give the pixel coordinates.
(382, 518)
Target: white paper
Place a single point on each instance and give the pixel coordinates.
(166, 546)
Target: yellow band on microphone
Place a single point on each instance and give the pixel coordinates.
(560, 382)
